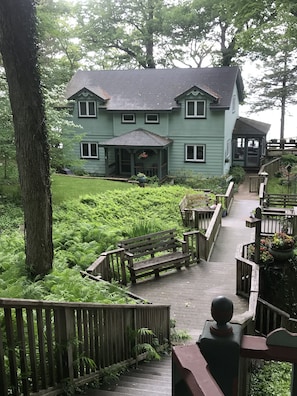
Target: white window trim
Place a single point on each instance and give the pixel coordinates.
(87, 109)
(89, 156)
(195, 101)
(133, 121)
(195, 159)
(156, 121)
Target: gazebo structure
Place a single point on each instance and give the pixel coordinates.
(249, 143)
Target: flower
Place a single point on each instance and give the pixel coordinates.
(282, 241)
(265, 255)
(143, 155)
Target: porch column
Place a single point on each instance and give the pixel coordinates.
(106, 161)
(132, 162)
(159, 163)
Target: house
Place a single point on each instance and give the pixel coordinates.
(156, 121)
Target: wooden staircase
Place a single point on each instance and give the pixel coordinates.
(148, 379)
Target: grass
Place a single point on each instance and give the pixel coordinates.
(71, 187)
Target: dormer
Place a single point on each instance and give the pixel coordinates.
(89, 102)
(196, 99)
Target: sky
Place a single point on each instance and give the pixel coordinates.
(270, 116)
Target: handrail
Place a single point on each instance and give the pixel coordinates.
(226, 199)
(45, 344)
(207, 240)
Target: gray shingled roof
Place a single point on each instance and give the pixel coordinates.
(156, 89)
(138, 138)
(247, 127)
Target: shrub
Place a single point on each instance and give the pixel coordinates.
(238, 174)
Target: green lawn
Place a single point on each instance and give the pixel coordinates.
(66, 187)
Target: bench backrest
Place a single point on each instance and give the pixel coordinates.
(150, 244)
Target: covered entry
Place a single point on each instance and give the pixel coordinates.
(136, 151)
(249, 143)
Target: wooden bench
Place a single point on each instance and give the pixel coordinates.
(149, 254)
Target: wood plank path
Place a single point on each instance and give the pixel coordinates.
(190, 292)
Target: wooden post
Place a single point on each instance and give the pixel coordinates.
(64, 323)
(258, 215)
(220, 345)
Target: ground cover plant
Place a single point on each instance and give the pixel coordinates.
(83, 229)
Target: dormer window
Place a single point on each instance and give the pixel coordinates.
(87, 109)
(195, 109)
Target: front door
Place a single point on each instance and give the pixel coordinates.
(125, 162)
(252, 153)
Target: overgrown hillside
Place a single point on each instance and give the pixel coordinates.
(83, 228)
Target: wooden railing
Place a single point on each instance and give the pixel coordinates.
(226, 199)
(278, 200)
(282, 220)
(255, 181)
(266, 316)
(207, 240)
(199, 218)
(112, 265)
(282, 144)
(47, 346)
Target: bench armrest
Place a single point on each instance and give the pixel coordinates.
(129, 254)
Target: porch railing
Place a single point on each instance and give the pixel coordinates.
(47, 346)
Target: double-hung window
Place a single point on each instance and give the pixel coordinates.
(195, 109)
(195, 152)
(87, 109)
(89, 150)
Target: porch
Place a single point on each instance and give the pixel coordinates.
(138, 151)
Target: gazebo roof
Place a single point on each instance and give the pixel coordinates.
(250, 128)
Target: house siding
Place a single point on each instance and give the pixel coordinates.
(214, 131)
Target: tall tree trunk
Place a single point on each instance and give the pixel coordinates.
(149, 41)
(284, 98)
(19, 53)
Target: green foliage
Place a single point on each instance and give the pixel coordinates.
(217, 185)
(177, 336)
(11, 216)
(238, 174)
(288, 159)
(82, 230)
(272, 378)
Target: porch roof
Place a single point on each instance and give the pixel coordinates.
(137, 138)
(250, 128)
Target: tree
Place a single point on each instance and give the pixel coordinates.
(19, 53)
(127, 32)
(60, 50)
(7, 143)
(270, 39)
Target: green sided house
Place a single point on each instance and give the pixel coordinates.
(160, 121)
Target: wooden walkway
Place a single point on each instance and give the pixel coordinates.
(190, 292)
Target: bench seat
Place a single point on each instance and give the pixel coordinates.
(149, 254)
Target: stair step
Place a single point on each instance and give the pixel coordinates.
(148, 379)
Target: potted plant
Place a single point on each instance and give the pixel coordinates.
(282, 246)
(266, 258)
(142, 179)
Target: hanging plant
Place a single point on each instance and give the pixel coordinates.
(143, 155)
